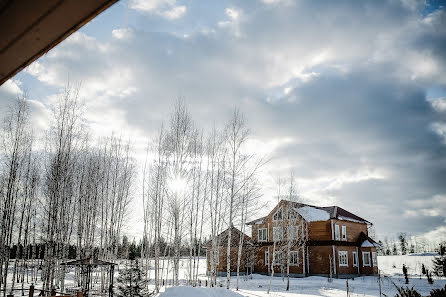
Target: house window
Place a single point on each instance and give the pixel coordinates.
(344, 233)
(277, 233)
(292, 214)
(278, 215)
(262, 234)
(266, 257)
(365, 258)
(355, 259)
(337, 235)
(343, 258)
(292, 232)
(278, 258)
(294, 258)
(374, 259)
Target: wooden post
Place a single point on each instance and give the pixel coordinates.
(379, 282)
(346, 282)
(79, 294)
(9, 295)
(53, 292)
(31, 291)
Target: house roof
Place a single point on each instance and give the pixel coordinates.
(365, 241)
(222, 238)
(317, 213)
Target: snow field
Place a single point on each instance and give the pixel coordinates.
(256, 285)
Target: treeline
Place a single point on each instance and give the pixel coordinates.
(404, 244)
(133, 250)
(61, 191)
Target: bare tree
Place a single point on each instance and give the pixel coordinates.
(241, 168)
(249, 204)
(59, 191)
(16, 150)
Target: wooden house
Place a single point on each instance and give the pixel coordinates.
(311, 240)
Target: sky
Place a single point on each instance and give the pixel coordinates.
(349, 95)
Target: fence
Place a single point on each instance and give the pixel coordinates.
(32, 291)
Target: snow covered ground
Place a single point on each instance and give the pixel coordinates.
(256, 285)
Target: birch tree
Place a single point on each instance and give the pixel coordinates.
(16, 148)
(59, 204)
(241, 168)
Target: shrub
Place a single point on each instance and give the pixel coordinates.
(407, 292)
(438, 292)
(439, 266)
(405, 273)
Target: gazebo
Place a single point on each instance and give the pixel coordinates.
(87, 266)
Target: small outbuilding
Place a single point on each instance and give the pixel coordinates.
(221, 247)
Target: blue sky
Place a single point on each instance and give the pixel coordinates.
(350, 95)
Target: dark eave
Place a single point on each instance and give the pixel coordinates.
(29, 29)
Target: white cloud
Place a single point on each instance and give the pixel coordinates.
(168, 9)
(235, 16)
(12, 87)
(122, 33)
(277, 2)
(351, 84)
(174, 13)
(440, 129)
(436, 235)
(439, 104)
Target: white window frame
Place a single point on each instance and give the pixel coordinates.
(363, 259)
(275, 237)
(344, 233)
(266, 234)
(281, 210)
(337, 232)
(278, 256)
(355, 259)
(266, 257)
(289, 230)
(294, 255)
(343, 255)
(374, 259)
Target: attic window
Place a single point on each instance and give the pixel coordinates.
(292, 214)
(278, 215)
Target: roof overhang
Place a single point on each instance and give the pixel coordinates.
(29, 29)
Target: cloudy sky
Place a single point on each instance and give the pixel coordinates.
(350, 95)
